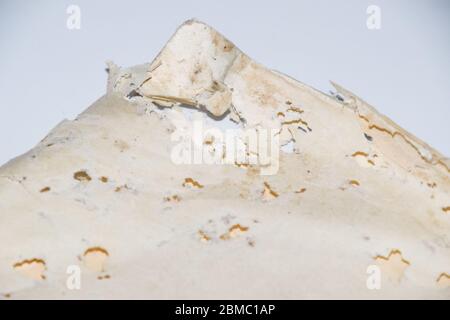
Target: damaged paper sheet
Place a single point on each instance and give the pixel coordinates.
(205, 175)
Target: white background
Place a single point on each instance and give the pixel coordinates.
(49, 73)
